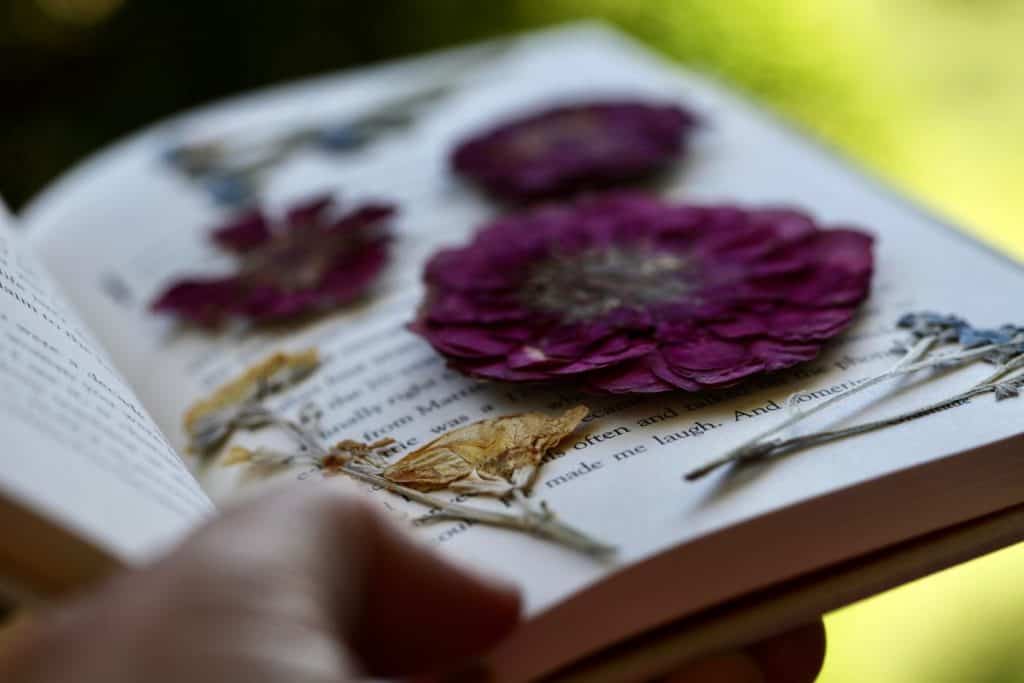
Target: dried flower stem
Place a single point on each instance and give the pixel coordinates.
(755, 447)
(912, 356)
(800, 442)
(537, 520)
(1002, 371)
(763, 445)
(952, 359)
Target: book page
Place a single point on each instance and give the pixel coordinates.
(139, 225)
(79, 448)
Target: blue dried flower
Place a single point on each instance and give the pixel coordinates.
(972, 337)
(344, 138)
(928, 324)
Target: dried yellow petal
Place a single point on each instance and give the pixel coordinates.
(279, 370)
(211, 421)
(497, 447)
(237, 455)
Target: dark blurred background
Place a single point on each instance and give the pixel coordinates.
(80, 72)
(929, 93)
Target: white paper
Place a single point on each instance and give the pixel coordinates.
(77, 445)
(137, 223)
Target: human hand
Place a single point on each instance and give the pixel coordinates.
(792, 657)
(309, 586)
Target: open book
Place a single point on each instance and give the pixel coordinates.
(94, 471)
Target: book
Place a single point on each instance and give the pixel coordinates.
(96, 473)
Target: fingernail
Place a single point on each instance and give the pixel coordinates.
(733, 667)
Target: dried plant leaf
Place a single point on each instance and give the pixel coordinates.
(237, 455)
(264, 457)
(490, 449)
(210, 421)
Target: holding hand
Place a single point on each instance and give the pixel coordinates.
(310, 586)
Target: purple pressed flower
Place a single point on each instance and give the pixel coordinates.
(311, 260)
(574, 147)
(625, 293)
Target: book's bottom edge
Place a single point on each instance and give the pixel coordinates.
(811, 536)
(793, 603)
(41, 559)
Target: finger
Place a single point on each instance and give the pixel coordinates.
(423, 613)
(401, 607)
(792, 657)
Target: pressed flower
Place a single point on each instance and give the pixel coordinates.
(625, 294)
(313, 259)
(490, 457)
(931, 336)
(210, 421)
(232, 169)
(574, 147)
(496, 457)
(493, 455)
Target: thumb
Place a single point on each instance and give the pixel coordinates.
(399, 607)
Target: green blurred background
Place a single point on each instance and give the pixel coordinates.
(927, 93)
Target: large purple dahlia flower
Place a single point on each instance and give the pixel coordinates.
(313, 259)
(625, 293)
(574, 147)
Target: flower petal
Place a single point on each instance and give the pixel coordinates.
(634, 377)
(203, 302)
(806, 325)
(704, 353)
(244, 233)
(777, 355)
(309, 211)
(469, 342)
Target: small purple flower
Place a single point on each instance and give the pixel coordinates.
(625, 293)
(314, 259)
(575, 147)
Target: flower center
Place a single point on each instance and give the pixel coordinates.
(576, 129)
(297, 259)
(596, 281)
